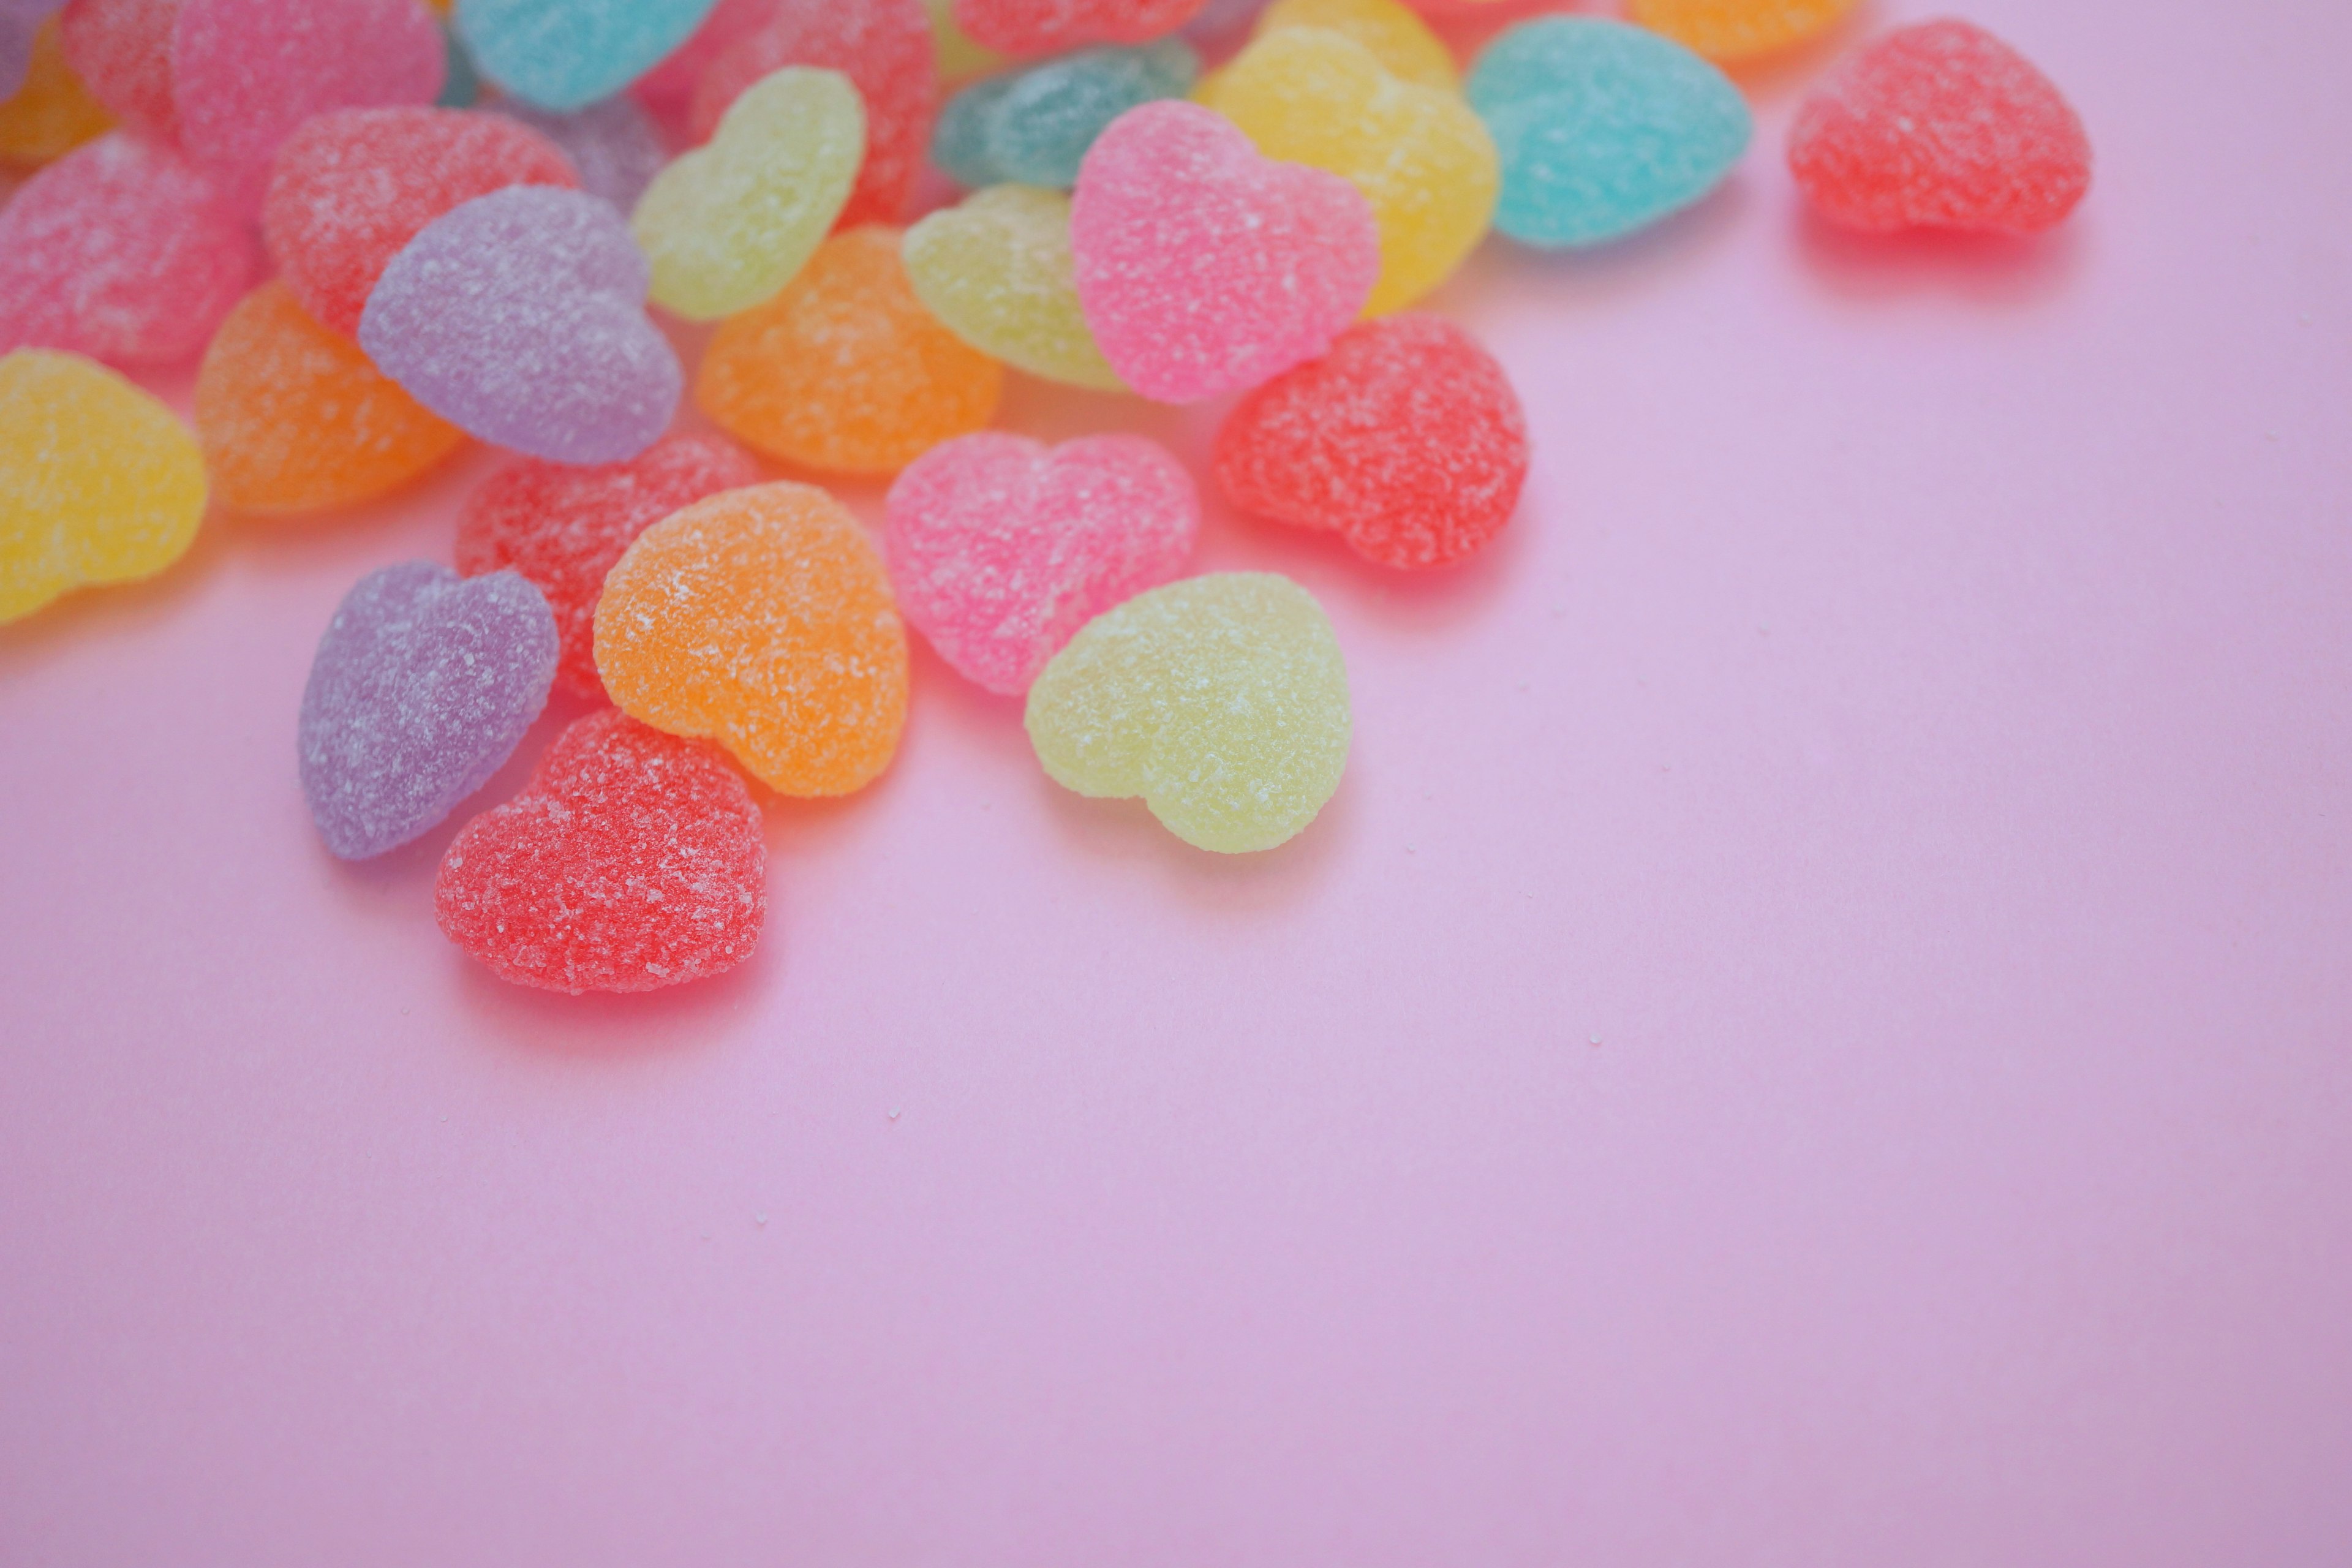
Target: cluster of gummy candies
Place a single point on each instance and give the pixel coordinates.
(466, 216)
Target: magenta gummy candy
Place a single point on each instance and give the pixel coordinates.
(422, 687)
(519, 318)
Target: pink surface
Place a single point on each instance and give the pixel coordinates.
(1908, 726)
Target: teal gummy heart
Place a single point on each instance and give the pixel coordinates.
(1603, 128)
(568, 54)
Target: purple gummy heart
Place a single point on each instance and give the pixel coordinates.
(422, 688)
(519, 317)
(20, 20)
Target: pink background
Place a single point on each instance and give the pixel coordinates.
(1908, 728)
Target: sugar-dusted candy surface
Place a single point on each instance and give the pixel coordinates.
(121, 49)
(1222, 701)
(1603, 129)
(121, 251)
(294, 418)
(19, 21)
(633, 860)
(1394, 33)
(668, 88)
(1205, 267)
(996, 271)
(845, 370)
(1043, 26)
(51, 112)
(1940, 126)
(1406, 439)
(1033, 126)
(1737, 29)
(884, 48)
(568, 54)
(761, 618)
(245, 74)
(100, 482)
(564, 528)
(614, 145)
(1001, 548)
(351, 188)
(422, 687)
(519, 317)
(1422, 159)
(729, 224)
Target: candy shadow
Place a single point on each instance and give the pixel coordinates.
(2008, 271)
(618, 1025)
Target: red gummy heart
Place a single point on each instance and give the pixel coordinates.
(1940, 126)
(1406, 438)
(633, 860)
(564, 527)
(350, 189)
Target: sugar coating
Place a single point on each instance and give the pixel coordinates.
(51, 113)
(1033, 126)
(123, 50)
(19, 21)
(568, 54)
(614, 145)
(519, 318)
(884, 48)
(1043, 26)
(997, 272)
(1737, 29)
(729, 224)
(632, 861)
(1394, 33)
(564, 528)
(1222, 701)
(121, 251)
(668, 88)
(761, 618)
(845, 370)
(423, 684)
(1940, 126)
(1001, 548)
(350, 189)
(98, 481)
(247, 73)
(1603, 129)
(1424, 161)
(1406, 439)
(294, 418)
(1204, 268)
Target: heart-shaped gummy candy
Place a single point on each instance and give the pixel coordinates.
(996, 271)
(1204, 268)
(568, 54)
(1222, 701)
(1406, 438)
(1940, 126)
(632, 861)
(519, 317)
(421, 689)
(1001, 548)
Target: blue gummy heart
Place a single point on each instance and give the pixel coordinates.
(568, 54)
(1033, 126)
(1603, 128)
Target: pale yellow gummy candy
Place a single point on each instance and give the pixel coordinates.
(1222, 701)
(996, 271)
(728, 224)
(98, 481)
(1308, 95)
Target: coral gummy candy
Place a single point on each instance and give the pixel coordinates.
(564, 528)
(1940, 126)
(633, 860)
(122, 49)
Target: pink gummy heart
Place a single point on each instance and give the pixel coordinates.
(1001, 549)
(632, 861)
(1940, 126)
(1204, 268)
(247, 73)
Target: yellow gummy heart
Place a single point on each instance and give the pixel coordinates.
(1309, 95)
(996, 271)
(1395, 34)
(728, 224)
(1222, 701)
(98, 481)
